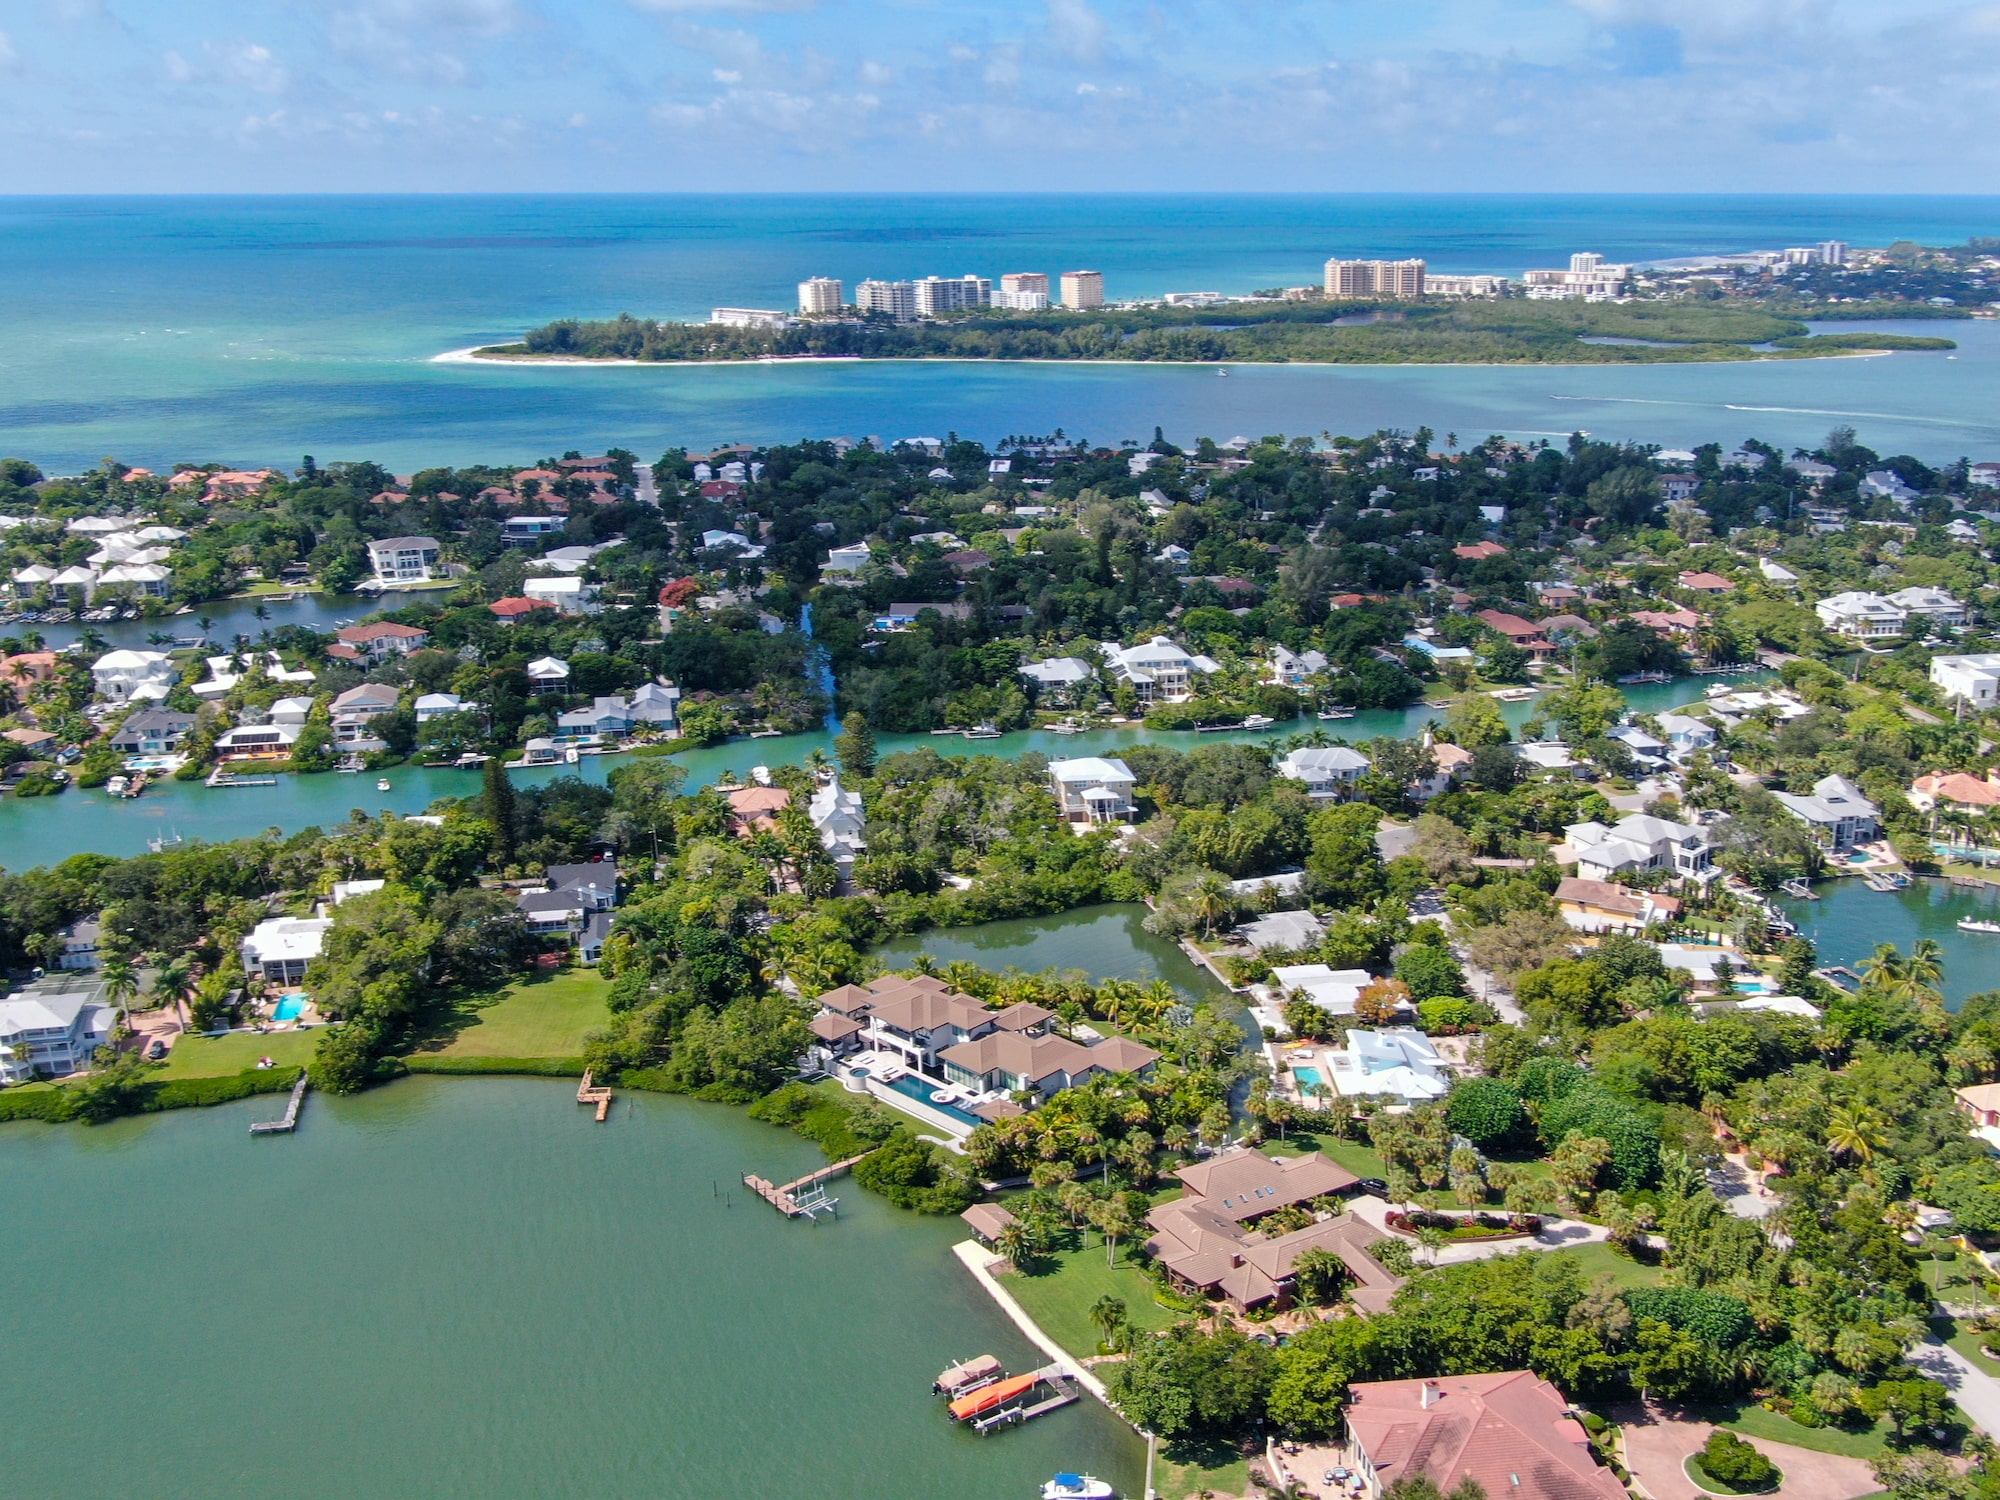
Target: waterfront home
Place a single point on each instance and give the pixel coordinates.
(1731, 709)
(1861, 615)
(1553, 757)
(608, 717)
(355, 711)
(225, 671)
(379, 640)
(80, 942)
(52, 1028)
(1518, 632)
(1159, 671)
(1290, 668)
(151, 731)
(1836, 811)
(1634, 845)
(1293, 930)
(1093, 791)
(838, 818)
(1563, 629)
(1208, 1243)
(134, 676)
(1934, 605)
(654, 705)
(260, 741)
(1328, 773)
(404, 559)
(1003, 1061)
(1686, 736)
(570, 596)
(1334, 991)
(1060, 677)
(1649, 752)
(1394, 1063)
(1956, 792)
(281, 948)
(540, 751)
(1511, 1433)
(1668, 624)
(1601, 906)
(755, 809)
(437, 705)
(547, 675)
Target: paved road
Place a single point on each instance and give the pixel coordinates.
(1976, 1392)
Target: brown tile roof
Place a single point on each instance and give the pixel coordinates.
(1478, 550)
(922, 1010)
(1209, 1251)
(1022, 1017)
(379, 630)
(829, 1027)
(987, 1220)
(1244, 1184)
(1511, 626)
(1509, 1431)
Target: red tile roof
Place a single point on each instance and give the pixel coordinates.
(1509, 1431)
(1479, 550)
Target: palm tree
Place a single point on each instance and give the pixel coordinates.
(924, 965)
(1433, 1240)
(121, 983)
(1883, 968)
(1015, 1243)
(1113, 1221)
(1108, 1313)
(1320, 1276)
(1209, 900)
(206, 622)
(1177, 1139)
(1854, 1131)
(1075, 1199)
(91, 638)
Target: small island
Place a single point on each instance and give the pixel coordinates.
(1502, 331)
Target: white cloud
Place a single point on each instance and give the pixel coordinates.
(726, 75)
(1077, 29)
(249, 64)
(874, 74)
(578, 120)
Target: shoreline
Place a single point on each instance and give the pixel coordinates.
(471, 356)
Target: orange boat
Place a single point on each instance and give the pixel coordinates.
(986, 1398)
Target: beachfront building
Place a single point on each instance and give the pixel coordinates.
(897, 299)
(1329, 773)
(1590, 278)
(1511, 1433)
(1396, 279)
(1210, 1245)
(1836, 811)
(1093, 791)
(134, 676)
(1082, 289)
(281, 949)
(1159, 671)
(820, 295)
(404, 559)
(1635, 845)
(1862, 616)
(53, 1027)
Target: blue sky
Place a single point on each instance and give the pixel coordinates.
(913, 95)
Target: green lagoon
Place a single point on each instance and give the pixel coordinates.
(468, 1288)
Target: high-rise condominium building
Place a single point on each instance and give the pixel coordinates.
(1374, 278)
(943, 294)
(896, 298)
(1083, 288)
(1025, 281)
(822, 294)
(1590, 278)
(1833, 252)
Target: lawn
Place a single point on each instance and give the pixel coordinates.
(225, 1056)
(1177, 1481)
(546, 1015)
(1600, 1260)
(1966, 1343)
(1059, 1299)
(1864, 1442)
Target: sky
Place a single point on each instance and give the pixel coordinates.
(964, 95)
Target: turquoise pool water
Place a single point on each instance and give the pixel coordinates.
(920, 1091)
(1308, 1077)
(289, 1008)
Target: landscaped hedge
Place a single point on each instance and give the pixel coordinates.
(55, 1105)
(34, 1104)
(534, 1067)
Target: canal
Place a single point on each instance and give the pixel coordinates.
(1848, 921)
(41, 831)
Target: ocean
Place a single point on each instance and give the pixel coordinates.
(257, 330)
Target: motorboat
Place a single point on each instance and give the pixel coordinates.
(572, 755)
(1077, 1487)
(382, 784)
(968, 1376)
(982, 732)
(1259, 721)
(1336, 713)
(115, 786)
(1973, 924)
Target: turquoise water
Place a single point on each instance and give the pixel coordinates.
(258, 330)
(290, 1008)
(458, 1287)
(910, 1088)
(1849, 920)
(43, 830)
(1308, 1077)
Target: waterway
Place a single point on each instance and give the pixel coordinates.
(465, 1287)
(1106, 942)
(44, 830)
(229, 618)
(1849, 920)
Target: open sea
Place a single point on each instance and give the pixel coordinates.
(257, 330)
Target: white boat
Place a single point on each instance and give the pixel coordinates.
(1077, 1487)
(1258, 721)
(982, 732)
(382, 784)
(571, 756)
(1336, 713)
(115, 786)
(1971, 924)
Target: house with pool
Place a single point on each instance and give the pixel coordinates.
(918, 1042)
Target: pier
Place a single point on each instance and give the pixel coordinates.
(599, 1096)
(1062, 1391)
(804, 1196)
(219, 777)
(290, 1121)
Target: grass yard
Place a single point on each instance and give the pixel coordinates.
(226, 1056)
(1177, 1481)
(546, 1015)
(1599, 1260)
(1966, 1343)
(1865, 1442)
(1059, 1299)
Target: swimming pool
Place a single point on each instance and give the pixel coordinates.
(916, 1088)
(290, 1007)
(1308, 1078)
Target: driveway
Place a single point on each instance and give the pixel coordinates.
(1657, 1444)
(1976, 1392)
(1557, 1234)
(1741, 1190)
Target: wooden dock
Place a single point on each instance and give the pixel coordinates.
(1062, 1391)
(803, 1196)
(290, 1122)
(600, 1096)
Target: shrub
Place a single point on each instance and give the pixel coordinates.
(1709, 1316)
(535, 1067)
(51, 1105)
(1590, 1111)
(1486, 1111)
(1730, 1461)
(1431, 973)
